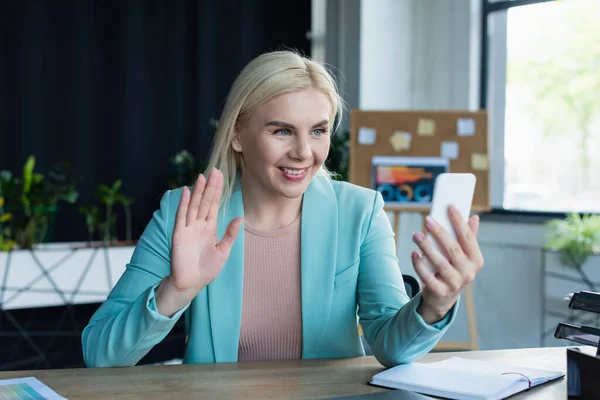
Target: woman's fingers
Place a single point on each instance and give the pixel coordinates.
(465, 235)
(195, 200)
(425, 275)
(446, 242)
(207, 197)
(230, 235)
(213, 212)
(440, 263)
(474, 224)
(182, 209)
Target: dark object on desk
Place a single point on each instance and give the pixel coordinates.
(395, 394)
(585, 335)
(588, 335)
(582, 375)
(586, 301)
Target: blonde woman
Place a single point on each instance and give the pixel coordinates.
(267, 257)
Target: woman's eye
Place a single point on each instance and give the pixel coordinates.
(319, 132)
(282, 132)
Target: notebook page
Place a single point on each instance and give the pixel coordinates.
(536, 376)
(443, 382)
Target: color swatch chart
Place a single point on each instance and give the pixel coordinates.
(19, 391)
(26, 389)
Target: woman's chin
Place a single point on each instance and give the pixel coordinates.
(292, 190)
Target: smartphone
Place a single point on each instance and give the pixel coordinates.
(450, 189)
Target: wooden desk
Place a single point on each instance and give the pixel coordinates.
(305, 379)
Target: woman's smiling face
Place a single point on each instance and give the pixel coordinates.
(285, 143)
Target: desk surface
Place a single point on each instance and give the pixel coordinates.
(304, 379)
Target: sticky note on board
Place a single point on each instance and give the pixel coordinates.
(465, 127)
(449, 150)
(479, 162)
(366, 136)
(400, 140)
(426, 127)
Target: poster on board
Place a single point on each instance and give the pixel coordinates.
(406, 181)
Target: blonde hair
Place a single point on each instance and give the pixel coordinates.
(265, 77)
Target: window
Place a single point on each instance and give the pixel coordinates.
(541, 86)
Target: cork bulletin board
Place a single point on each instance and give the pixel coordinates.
(459, 138)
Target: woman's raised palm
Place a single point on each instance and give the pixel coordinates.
(197, 255)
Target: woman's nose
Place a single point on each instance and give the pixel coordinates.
(301, 149)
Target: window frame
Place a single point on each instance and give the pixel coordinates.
(498, 213)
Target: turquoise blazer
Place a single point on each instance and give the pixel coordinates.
(349, 275)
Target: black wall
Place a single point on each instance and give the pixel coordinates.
(117, 87)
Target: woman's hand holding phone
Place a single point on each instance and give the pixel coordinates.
(451, 255)
(457, 262)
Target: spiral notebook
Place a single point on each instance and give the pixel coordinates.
(464, 379)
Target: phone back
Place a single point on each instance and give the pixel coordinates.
(455, 189)
(452, 189)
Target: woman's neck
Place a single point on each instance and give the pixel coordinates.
(268, 213)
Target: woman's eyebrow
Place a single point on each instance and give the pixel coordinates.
(287, 125)
(280, 124)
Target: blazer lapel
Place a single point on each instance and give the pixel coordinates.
(318, 259)
(225, 293)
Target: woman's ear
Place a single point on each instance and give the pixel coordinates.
(235, 141)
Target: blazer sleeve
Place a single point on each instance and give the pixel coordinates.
(127, 325)
(395, 331)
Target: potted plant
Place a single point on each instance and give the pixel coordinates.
(104, 225)
(576, 239)
(79, 273)
(32, 200)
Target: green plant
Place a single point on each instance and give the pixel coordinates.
(108, 196)
(126, 202)
(6, 243)
(184, 170)
(214, 125)
(92, 220)
(575, 237)
(32, 200)
(104, 224)
(339, 155)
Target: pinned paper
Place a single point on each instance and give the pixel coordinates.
(366, 136)
(449, 150)
(479, 162)
(400, 140)
(465, 127)
(426, 127)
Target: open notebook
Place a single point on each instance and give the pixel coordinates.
(464, 379)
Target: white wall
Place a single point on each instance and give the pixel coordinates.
(424, 54)
(418, 54)
(386, 28)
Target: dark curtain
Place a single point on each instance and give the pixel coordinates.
(118, 87)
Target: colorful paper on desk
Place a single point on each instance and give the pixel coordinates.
(449, 150)
(465, 127)
(426, 127)
(400, 140)
(367, 136)
(26, 388)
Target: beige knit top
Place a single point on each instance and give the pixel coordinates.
(271, 326)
